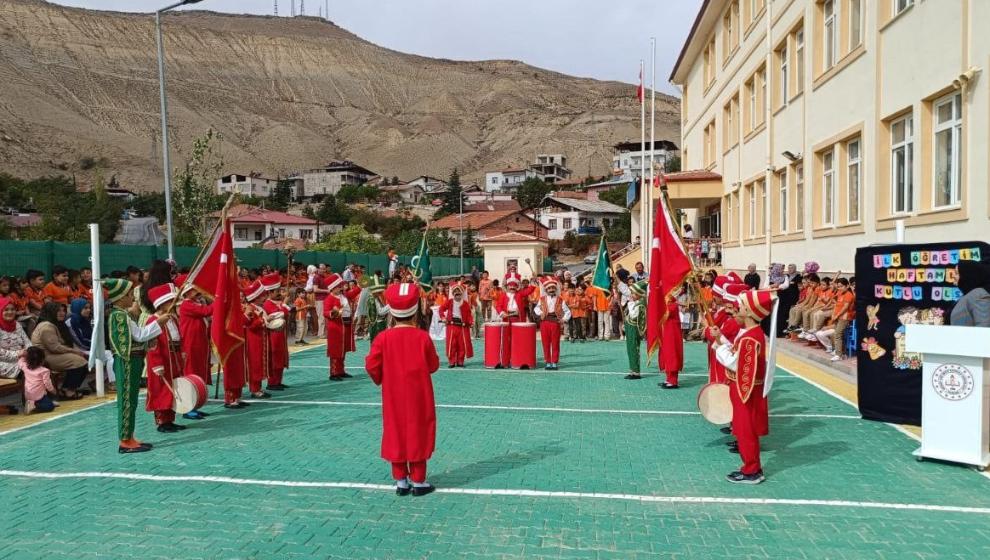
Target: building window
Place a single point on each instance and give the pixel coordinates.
(829, 34)
(828, 188)
(751, 104)
(782, 89)
(901, 5)
(902, 164)
(730, 31)
(762, 210)
(709, 58)
(948, 150)
(782, 180)
(799, 61)
(552, 223)
(799, 197)
(257, 235)
(240, 234)
(709, 138)
(854, 179)
(494, 180)
(728, 210)
(567, 223)
(730, 116)
(281, 232)
(751, 214)
(855, 23)
(305, 234)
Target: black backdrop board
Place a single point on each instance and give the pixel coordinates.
(897, 285)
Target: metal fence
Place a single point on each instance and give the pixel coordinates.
(16, 257)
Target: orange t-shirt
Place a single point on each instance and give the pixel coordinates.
(439, 299)
(578, 306)
(599, 299)
(20, 303)
(58, 294)
(302, 308)
(845, 298)
(35, 300)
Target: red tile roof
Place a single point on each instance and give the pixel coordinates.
(692, 175)
(493, 206)
(247, 214)
(472, 220)
(511, 237)
(514, 170)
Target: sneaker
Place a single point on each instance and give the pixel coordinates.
(634, 376)
(740, 478)
(726, 430)
(830, 350)
(261, 395)
(836, 357)
(422, 490)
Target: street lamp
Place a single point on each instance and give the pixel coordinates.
(460, 236)
(166, 164)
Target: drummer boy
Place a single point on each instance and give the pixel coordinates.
(165, 359)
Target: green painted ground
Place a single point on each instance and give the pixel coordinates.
(818, 450)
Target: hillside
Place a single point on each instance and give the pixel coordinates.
(80, 86)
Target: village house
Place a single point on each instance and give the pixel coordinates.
(252, 184)
(332, 177)
(508, 180)
(488, 224)
(252, 225)
(553, 167)
(564, 212)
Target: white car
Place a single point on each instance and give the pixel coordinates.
(591, 259)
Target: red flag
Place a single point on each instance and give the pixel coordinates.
(639, 90)
(669, 266)
(216, 275)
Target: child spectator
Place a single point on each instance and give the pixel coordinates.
(38, 388)
(302, 307)
(58, 290)
(36, 283)
(578, 305)
(843, 311)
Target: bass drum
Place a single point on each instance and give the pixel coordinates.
(190, 394)
(715, 404)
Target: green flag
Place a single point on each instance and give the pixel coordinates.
(421, 265)
(603, 268)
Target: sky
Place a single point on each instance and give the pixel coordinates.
(588, 38)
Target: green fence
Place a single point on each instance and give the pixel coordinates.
(16, 257)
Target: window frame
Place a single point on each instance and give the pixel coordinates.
(830, 34)
(828, 188)
(907, 145)
(799, 197)
(567, 223)
(552, 223)
(800, 74)
(954, 128)
(782, 202)
(751, 208)
(783, 55)
(900, 6)
(857, 163)
(855, 23)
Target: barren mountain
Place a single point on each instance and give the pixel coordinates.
(78, 86)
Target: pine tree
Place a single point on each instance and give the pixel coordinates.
(470, 246)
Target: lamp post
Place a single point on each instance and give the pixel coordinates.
(166, 164)
(460, 218)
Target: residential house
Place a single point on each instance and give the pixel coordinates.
(252, 184)
(490, 223)
(408, 193)
(253, 225)
(330, 178)
(508, 180)
(512, 249)
(429, 184)
(627, 160)
(20, 223)
(851, 118)
(553, 167)
(493, 206)
(564, 212)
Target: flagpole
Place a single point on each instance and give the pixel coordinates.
(643, 188)
(653, 119)
(98, 307)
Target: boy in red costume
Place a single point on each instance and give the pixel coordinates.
(195, 334)
(456, 314)
(750, 376)
(258, 353)
(671, 343)
(401, 361)
(552, 312)
(510, 305)
(165, 360)
(276, 313)
(339, 310)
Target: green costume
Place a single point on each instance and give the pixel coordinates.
(377, 311)
(127, 342)
(634, 315)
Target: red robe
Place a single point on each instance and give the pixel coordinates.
(750, 409)
(278, 347)
(672, 343)
(550, 328)
(258, 355)
(501, 305)
(340, 334)
(458, 336)
(401, 360)
(165, 363)
(196, 338)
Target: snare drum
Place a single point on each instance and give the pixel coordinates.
(190, 394)
(715, 404)
(523, 345)
(496, 345)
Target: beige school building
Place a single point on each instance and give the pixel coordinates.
(825, 122)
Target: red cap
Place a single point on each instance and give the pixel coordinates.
(547, 281)
(758, 303)
(254, 290)
(402, 299)
(732, 293)
(160, 295)
(333, 281)
(735, 277)
(271, 281)
(456, 287)
(512, 278)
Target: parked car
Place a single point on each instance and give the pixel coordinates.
(591, 259)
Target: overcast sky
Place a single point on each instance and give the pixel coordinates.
(590, 38)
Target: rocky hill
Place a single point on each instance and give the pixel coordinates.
(79, 89)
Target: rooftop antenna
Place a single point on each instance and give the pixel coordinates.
(276, 8)
(293, 9)
(302, 7)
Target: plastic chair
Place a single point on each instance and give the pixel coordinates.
(851, 340)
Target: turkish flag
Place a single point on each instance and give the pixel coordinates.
(669, 266)
(216, 276)
(639, 89)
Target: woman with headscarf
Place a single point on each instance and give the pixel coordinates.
(81, 323)
(13, 340)
(54, 337)
(973, 309)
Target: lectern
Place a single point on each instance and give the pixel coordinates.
(955, 394)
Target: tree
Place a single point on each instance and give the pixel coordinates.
(620, 229)
(451, 198)
(616, 196)
(66, 214)
(395, 180)
(281, 196)
(331, 212)
(470, 247)
(150, 205)
(532, 192)
(349, 194)
(673, 164)
(194, 195)
(352, 239)
(308, 212)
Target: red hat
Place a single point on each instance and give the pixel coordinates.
(180, 281)
(456, 287)
(721, 281)
(512, 278)
(271, 281)
(548, 281)
(254, 290)
(160, 295)
(733, 292)
(402, 299)
(333, 281)
(758, 303)
(735, 277)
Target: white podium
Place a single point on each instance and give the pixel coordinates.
(955, 401)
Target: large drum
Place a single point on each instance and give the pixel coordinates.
(715, 404)
(524, 345)
(190, 394)
(496, 345)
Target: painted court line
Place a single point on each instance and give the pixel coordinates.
(54, 418)
(540, 409)
(534, 370)
(524, 493)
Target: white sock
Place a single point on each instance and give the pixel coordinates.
(402, 483)
(423, 484)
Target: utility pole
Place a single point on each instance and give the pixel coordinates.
(302, 7)
(276, 8)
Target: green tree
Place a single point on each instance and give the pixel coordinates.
(6, 231)
(281, 196)
(532, 192)
(194, 190)
(332, 212)
(620, 229)
(452, 198)
(673, 164)
(66, 214)
(349, 194)
(308, 212)
(616, 196)
(150, 204)
(470, 246)
(352, 239)
(12, 193)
